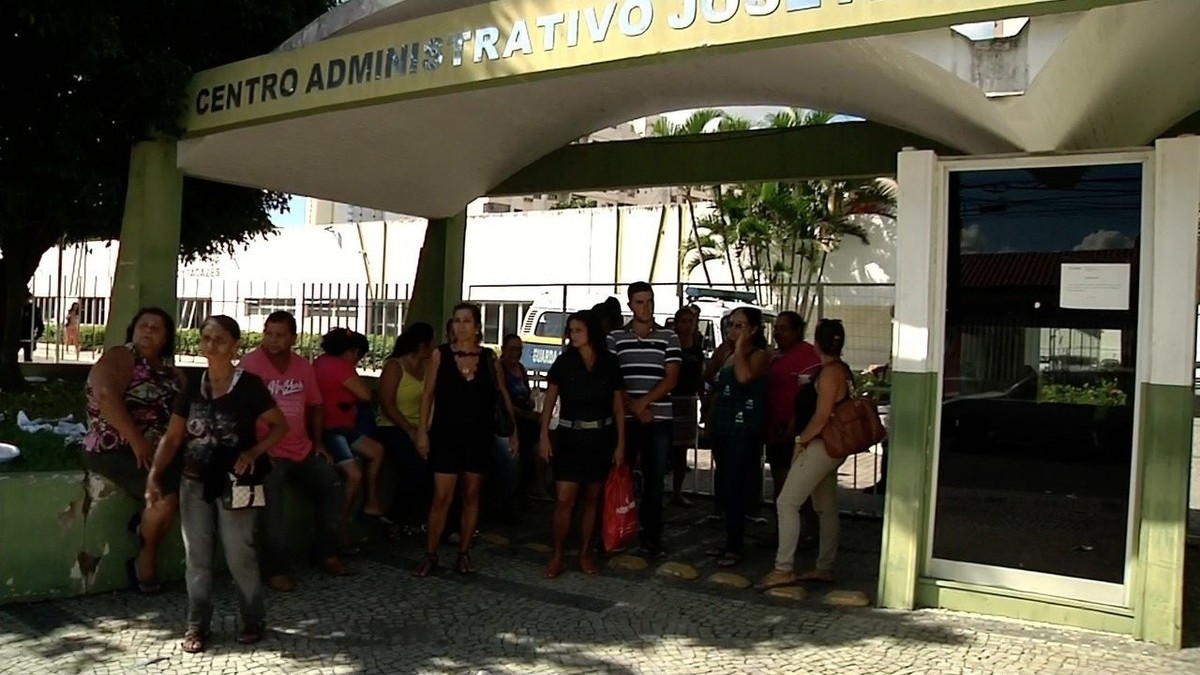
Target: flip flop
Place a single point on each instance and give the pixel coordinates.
(195, 641)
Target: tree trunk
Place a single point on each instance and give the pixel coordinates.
(820, 275)
(21, 259)
(696, 235)
(733, 272)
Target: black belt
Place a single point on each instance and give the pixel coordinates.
(580, 425)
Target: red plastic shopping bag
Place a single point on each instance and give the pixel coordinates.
(620, 510)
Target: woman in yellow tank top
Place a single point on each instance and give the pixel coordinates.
(401, 386)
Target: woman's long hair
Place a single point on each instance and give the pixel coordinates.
(597, 338)
(341, 340)
(411, 339)
(168, 348)
(830, 337)
(754, 319)
(476, 314)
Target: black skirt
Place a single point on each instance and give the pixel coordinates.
(583, 455)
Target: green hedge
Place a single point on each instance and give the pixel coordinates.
(187, 343)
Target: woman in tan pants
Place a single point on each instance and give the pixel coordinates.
(813, 471)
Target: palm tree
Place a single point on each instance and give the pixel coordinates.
(777, 235)
(840, 206)
(713, 245)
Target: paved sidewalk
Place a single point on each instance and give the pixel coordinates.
(507, 619)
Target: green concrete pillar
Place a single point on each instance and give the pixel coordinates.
(1165, 433)
(147, 266)
(439, 281)
(916, 344)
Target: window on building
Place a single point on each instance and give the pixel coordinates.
(502, 318)
(386, 317)
(263, 307)
(193, 311)
(331, 308)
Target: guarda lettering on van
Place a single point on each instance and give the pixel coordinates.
(545, 33)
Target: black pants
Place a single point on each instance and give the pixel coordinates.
(651, 443)
(26, 350)
(739, 458)
(415, 482)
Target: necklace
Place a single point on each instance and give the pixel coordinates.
(466, 372)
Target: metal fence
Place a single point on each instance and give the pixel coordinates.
(372, 309)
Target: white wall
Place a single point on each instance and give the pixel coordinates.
(506, 256)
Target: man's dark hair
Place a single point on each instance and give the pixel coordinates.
(794, 320)
(640, 287)
(284, 318)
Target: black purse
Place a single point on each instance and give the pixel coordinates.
(502, 422)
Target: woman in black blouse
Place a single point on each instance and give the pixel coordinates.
(590, 437)
(456, 431)
(214, 423)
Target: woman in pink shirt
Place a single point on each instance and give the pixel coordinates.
(342, 390)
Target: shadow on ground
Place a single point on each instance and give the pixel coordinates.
(507, 619)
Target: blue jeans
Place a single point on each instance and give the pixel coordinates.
(739, 456)
(415, 482)
(652, 444)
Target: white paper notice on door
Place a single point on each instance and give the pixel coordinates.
(1094, 286)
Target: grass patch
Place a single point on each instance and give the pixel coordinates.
(43, 451)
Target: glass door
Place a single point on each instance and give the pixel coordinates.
(1037, 428)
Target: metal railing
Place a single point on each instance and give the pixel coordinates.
(372, 309)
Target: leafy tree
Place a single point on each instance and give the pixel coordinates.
(699, 122)
(99, 76)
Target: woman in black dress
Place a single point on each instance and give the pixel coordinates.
(590, 438)
(456, 431)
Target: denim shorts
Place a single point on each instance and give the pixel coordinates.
(340, 444)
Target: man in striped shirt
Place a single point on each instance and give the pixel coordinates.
(649, 356)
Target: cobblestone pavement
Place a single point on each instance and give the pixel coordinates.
(508, 620)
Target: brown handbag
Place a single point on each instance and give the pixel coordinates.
(853, 427)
